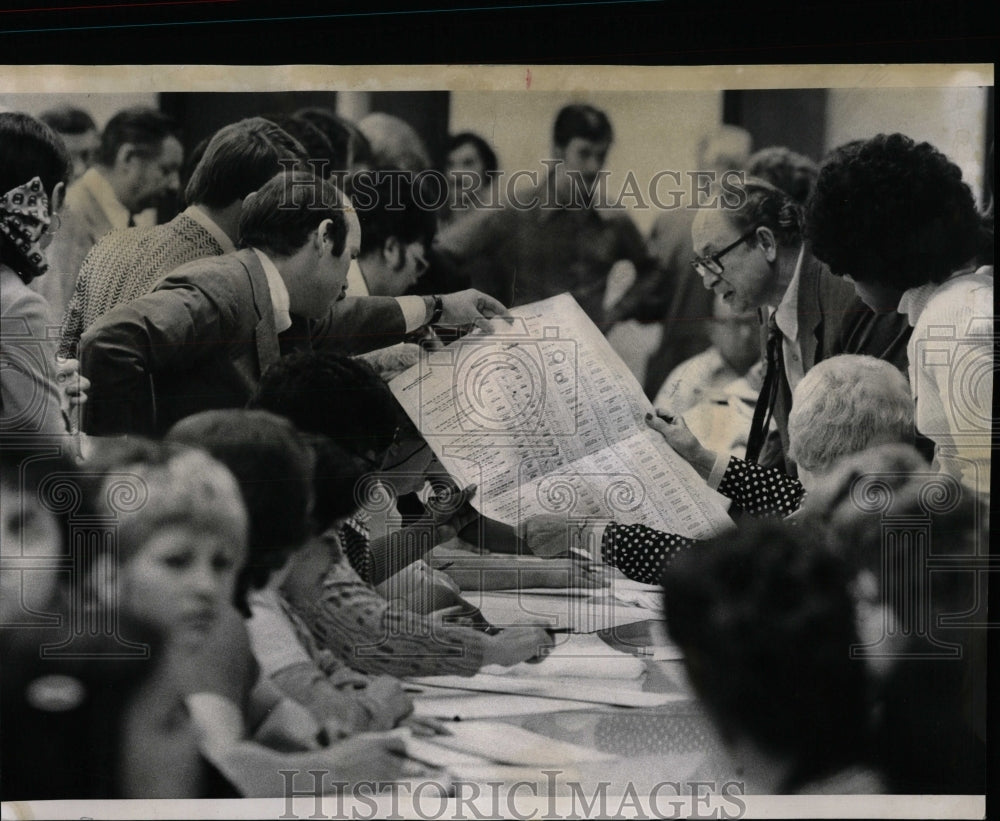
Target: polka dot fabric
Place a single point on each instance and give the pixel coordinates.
(642, 553)
(761, 491)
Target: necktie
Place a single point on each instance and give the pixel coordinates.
(131, 221)
(764, 408)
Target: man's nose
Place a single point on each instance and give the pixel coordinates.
(709, 281)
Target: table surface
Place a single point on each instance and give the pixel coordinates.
(674, 742)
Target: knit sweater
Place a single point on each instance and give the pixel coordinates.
(125, 265)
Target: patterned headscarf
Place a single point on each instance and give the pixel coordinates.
(24, 218)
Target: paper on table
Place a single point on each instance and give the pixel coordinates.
(546, 419)
(489, 705)
(423, 750)
(563, 689)
(576, 655)
(509, 744)
(577, 614)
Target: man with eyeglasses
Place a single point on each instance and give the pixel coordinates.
(754, 256)
(396, 231)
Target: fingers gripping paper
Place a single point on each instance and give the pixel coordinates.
(546, 419)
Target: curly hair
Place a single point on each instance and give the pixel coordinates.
(765, 620)
(892, 212)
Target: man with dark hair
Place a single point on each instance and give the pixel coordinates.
(208, 330)
(352, 153)
(138, 162)
(396, 233)
(556, 238)
(126, 264)
(766, 622)
(78, 132)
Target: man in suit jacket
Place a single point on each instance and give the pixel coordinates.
(137, 164)
(128, 263)
(209, 329)
(753, 254)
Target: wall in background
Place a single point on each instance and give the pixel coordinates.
(101, 107)
(951, 119)
(653, 131)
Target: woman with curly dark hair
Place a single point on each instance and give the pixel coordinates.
(895, 216)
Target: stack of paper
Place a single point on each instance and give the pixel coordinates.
(557, 611)
(618, 692)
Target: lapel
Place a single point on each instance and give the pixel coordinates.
(810, 309)
(265, 332)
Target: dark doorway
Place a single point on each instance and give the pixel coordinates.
(795, 118)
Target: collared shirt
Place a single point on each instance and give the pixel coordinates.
(206, 222)
(279, 292)
(951, 370)
(118, 215)
(787, 318)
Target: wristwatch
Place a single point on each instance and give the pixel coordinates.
(438, 310)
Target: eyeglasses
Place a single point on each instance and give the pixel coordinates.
(378, 463)
(712, 265)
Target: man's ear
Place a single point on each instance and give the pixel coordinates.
(58, 197)
(126, 153)
(767, 243)
(322, 240)
(394, 253)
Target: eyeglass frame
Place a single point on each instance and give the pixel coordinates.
(703, 262)
(379, 465)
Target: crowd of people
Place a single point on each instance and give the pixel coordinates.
(187, 463)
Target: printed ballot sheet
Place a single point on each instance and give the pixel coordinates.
(546, 419)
